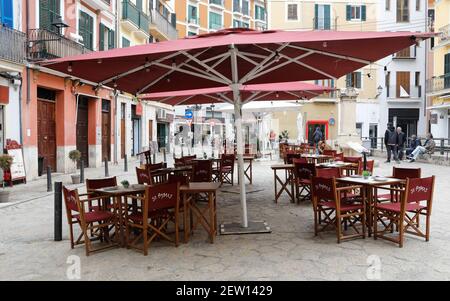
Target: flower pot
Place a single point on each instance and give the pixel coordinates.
(4, 196)
(75, 179)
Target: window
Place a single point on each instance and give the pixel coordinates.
(417, 79)
(417, 5)
(356, 13)
(236, 23)
(402, 10)
(322, 16)
(125, 42)
(86, 29)
(260, 13)
(139, 5)
(405, 53)
(359, 126)
(403, 84)
(237, 5)
(245, 7)
(245, 25)
(192, 14)
(292, 12)
(48, 12)
(447, 71)
(353, 80)
(6, 13)
(216, 2)
(106, 38)
(191, 33)
(215, 21)
(388, 5)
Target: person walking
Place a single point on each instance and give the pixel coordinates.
(428, 147)
(391, 142)
(317, 137)
(415, 142)
(272, 137)
(401, 143)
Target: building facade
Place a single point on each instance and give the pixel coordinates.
(325, 111)
(202, 16)
(438, 86)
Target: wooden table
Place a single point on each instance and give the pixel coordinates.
(369, 185)
(343, 166)
(313, 158)
(206, 217)
(117, 193)
(289, 180)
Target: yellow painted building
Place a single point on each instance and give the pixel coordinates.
(438, 87)
(323, 111)
(203, 16)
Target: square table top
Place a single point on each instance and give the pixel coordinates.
(120, 190)
(316, 156)
(200, 187)
(282, 166)
(371, 181)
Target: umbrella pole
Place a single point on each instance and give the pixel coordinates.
(238, 123)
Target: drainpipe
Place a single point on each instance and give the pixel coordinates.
(116, 123)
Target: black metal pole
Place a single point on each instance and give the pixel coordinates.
(81, 171)
(106, 168)
(365, 161)
(49, 178)
(125, 162)
(58, 211)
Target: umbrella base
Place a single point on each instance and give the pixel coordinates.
(254, 227)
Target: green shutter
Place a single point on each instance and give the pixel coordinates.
(111, 39)
(363, 13)
(101, 37)
(349, 13)
(348, 80)
(327, 16)
(358, 80)
(48, 11)
(316, 16)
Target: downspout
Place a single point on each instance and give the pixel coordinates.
(20, 111)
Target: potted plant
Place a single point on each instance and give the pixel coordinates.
(366, 174)
(125, 184)
(75, 156)
(5, 165)
(284, 136)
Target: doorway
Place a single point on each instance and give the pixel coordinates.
(46, 127)
(136, 134)
(373, 134)
(82, 129)
(150, 130)
(106, 129)
(162, 134)
(311, 127)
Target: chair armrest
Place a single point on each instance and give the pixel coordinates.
(349, 187)
(389, 188)
(97, 198)
(86, 194)
(135, 197)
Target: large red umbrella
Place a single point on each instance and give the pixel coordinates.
(235, 57)
(258, 92)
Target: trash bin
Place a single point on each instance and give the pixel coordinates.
(40, 166)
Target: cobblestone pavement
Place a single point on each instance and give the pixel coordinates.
(290, 252)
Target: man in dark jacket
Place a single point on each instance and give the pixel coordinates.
(317, 136)
(391, 142)
(415, 142)
(401, 143)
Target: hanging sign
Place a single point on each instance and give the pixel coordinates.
(18, 167)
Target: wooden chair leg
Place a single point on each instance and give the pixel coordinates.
(72, 244)
(401, 231)
(338, 227)
(145, 240)
(427, 230)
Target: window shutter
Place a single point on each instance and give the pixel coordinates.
(316, 16)
(7, 16)
(139, 5)
(447, 63)
(327, 16)
(101, 37)
(358, 80)
(111, 39)
(348, 80)
(363, 13)
(349, 13)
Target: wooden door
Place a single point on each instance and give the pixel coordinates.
(150, 130)
(106, 136)
(82, 129)
(47, 133)
(402, 79)
(122, 131)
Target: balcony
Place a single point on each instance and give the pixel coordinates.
(401, 93)
(99, 4)
(438, 85)
(408, 53)
(135, 20)
(216, 2)
(161, 28)
(45, 45)
(331, 96)
(444, 36)
(325, 24)
(193, 20)
(12, 45)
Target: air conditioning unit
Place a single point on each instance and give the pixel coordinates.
(161, 114)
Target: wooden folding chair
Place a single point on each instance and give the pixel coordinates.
(329, 172)
(93, 184)
(369, 167)
(159, 206)
(96, 223)
(303, 173)
(225, 172)
(416, 200)
(331, 211)
(399, 173)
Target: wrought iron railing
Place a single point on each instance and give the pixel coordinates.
(377, 143)
(444, 35)
(163, 25)
(12, 45)
(403, 92)
(438, 83)
(44, 44)
(325, 23)
(131, 13)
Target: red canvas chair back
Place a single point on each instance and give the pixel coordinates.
(143, 176)
(324, 188)
(329, 152)
(419, 190)
(92, 184)
(304, 170)
(183, 180)
(299, 160)
(353, 159)
(339, 157)
(403, 173)
(227, 160)
(332, 172)
(188, 159)
(162, 196)
(370, 165)
(202, 171)
(151, 167)
(70, 200)
(179, 161)
(291, 156)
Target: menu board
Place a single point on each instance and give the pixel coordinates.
(17, 167)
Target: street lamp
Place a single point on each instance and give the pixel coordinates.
(59, 24)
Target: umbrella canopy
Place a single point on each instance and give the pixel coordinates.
(235, 57)
(259, 92)
(205, 61)
(263, 107)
